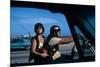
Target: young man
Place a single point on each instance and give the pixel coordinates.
(53, 40)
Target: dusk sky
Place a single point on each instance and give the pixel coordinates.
(24, 19)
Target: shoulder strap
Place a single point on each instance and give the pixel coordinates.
(37, 41)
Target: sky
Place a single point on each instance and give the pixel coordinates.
(23, 21)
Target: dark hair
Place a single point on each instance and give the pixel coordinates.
(38, 25)
(54, 28)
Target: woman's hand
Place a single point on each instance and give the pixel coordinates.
(44, 55)
(45, 50)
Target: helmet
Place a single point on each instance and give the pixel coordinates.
(38, 25)
(54, 28)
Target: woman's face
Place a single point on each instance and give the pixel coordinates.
(39, 29)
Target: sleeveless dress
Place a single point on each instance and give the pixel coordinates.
(39, 48)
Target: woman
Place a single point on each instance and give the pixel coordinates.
(37, 43)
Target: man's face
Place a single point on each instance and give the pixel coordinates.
(57, 33)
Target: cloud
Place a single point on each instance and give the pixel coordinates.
(35, 20)
(45, 20)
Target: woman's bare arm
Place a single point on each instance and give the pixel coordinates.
(34, 44)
